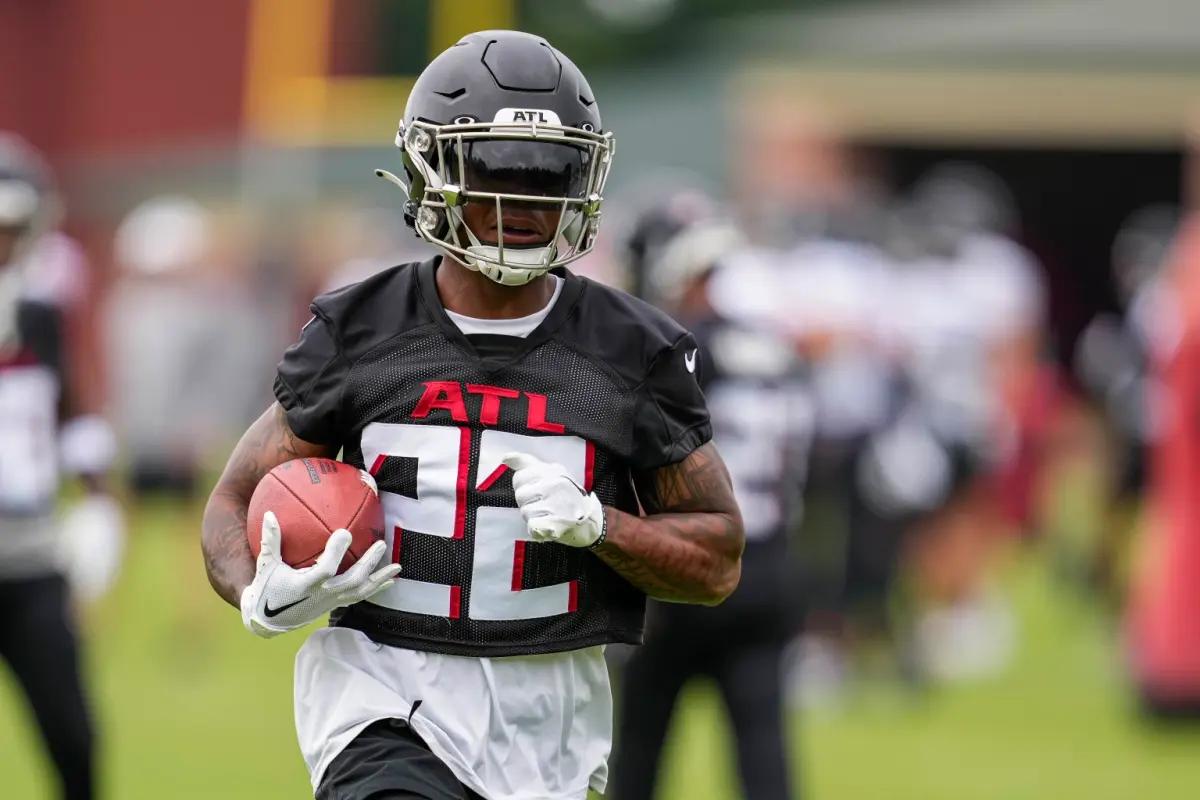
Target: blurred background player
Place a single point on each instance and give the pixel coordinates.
(180, 374)
(762, 421)
(817, 277)
(37, 628)
(186, 337)
(966, 313)
(1115, 362)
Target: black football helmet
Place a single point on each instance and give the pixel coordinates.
(503, 118)
(642, 244)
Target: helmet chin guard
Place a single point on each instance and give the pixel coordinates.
(486, 260)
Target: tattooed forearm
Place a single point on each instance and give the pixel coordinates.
(675, 557)
(266, 444)
(688, 549)
(227, 556)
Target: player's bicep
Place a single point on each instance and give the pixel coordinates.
(699, 483)
(268, 442)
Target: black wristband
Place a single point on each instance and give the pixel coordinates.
(603, 532)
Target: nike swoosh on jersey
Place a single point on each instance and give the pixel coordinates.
(689, 360)
(272, 612)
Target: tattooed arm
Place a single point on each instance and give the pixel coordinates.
(689, 547)
(267, 443)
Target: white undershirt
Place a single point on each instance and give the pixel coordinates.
(520, 326)
(511, 728)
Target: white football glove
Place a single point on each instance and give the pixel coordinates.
(555, 507)
(91, 545)
(282, 598)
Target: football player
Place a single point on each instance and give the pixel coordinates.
(541, 446)
(37, 632)
(762, 419)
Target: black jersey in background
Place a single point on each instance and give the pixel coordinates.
(762, 424)
(762, 417)
(31, 402)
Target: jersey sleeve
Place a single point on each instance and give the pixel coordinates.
(309, 383)
(43, 333)
(672, 417)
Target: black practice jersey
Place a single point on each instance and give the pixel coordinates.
(605, 386)
(31, 393)
(762, 417)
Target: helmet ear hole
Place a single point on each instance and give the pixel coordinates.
(410, 213)
(431, 221)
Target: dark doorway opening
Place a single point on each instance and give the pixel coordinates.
(1071, 204)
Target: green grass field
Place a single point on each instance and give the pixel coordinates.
(190, 706)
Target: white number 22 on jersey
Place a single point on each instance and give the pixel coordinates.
(442, 456)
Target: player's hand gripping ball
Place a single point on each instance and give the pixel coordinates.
(311, 498)
(555, 507)
(332, 551)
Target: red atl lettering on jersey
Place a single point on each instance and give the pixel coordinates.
(537, 415)
(442, 394)
(448, 396)
(489, 409)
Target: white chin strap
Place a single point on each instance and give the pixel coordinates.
(520, 267)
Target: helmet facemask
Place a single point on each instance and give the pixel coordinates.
(514, 175)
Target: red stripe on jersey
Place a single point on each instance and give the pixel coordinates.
(397, 536)
(589, 466)
(378, 465)
(497, 473)
(518, 566)
(455, 601)
(460, 488)
(22, 358)
(573, 597)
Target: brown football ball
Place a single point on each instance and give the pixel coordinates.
(312, 498)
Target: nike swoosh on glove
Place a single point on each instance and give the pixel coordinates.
(282, 598)
(555, 507)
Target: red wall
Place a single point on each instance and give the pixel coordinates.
(80, 78)
(86, 76)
